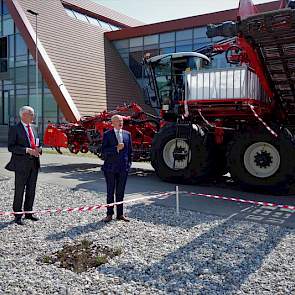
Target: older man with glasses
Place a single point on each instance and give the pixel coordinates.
(23, 143)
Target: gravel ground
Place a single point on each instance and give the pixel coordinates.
(161, 253)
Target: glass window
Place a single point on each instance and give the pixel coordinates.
(35, 100)
(200, 32)
(151, 47)
(70, 12)
(3, 47)
(184, 48)
(20, 45)
(8, 26)
(21, 99)
(152, 39)
(135, 60)
(93, 21)
(11, 45)
(105, 25)
(121, 44)
(184, 35)
(167, 37)
(49, 107)
(135, 42)
(5, 8)
(81, 16)
(168, 44)
(184, 42)
(167, 50)
(114, 28)
(21, 76)
(3, 54)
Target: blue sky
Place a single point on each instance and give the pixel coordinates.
(150, 11)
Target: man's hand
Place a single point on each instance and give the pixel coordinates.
(33, 152)
(120, 146)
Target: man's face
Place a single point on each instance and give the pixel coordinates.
(28, 117)
(117, 123)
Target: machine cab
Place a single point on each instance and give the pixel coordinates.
(165, 74)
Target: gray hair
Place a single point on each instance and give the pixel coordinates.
(116, 117)
(26, 109)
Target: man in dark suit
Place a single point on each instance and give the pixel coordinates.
(117, 152)
(23, 143)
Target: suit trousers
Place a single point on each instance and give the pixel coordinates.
(116, 181)
(25, 180)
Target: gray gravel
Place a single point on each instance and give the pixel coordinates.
(162, 253)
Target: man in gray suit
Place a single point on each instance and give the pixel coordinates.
(23, 143)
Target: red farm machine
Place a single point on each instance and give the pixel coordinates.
(86, 135)
(239, 119)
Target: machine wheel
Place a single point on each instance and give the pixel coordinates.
(181, 164)
(258, 160)
(74, 148)
(84, 149)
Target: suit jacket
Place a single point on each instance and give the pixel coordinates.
(17, 143)
(115, 161)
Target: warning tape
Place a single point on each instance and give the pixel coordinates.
(145, 198)
(85, 208)
(258, 203)
(266, 126)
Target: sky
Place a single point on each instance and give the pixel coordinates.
(151, 11)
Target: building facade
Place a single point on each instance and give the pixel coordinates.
(89, 56)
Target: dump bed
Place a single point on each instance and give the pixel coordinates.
(273, 35)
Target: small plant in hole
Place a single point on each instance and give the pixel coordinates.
(81, 256)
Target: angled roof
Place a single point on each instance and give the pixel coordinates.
(185, 23)
(72, 56)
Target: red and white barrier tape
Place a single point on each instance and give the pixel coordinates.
(258, 203)
(266, 126)
(101, 206)
(85, 208)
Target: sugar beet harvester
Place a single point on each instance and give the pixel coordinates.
(238, 119)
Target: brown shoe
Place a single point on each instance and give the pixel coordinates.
(108, 218)
(122, 217)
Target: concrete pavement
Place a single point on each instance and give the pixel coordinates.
(82, 172)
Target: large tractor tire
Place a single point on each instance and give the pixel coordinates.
(178, 161)
(258, 160)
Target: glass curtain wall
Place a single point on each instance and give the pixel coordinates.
(132, 50)
(18, 79)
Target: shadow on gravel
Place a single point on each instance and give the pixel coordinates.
(5, 224)
(76, 231)
(217, 262)
(68, 169)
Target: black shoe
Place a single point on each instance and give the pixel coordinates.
(19, 221)
(108, 218)
(123, 218)
(31, 217)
